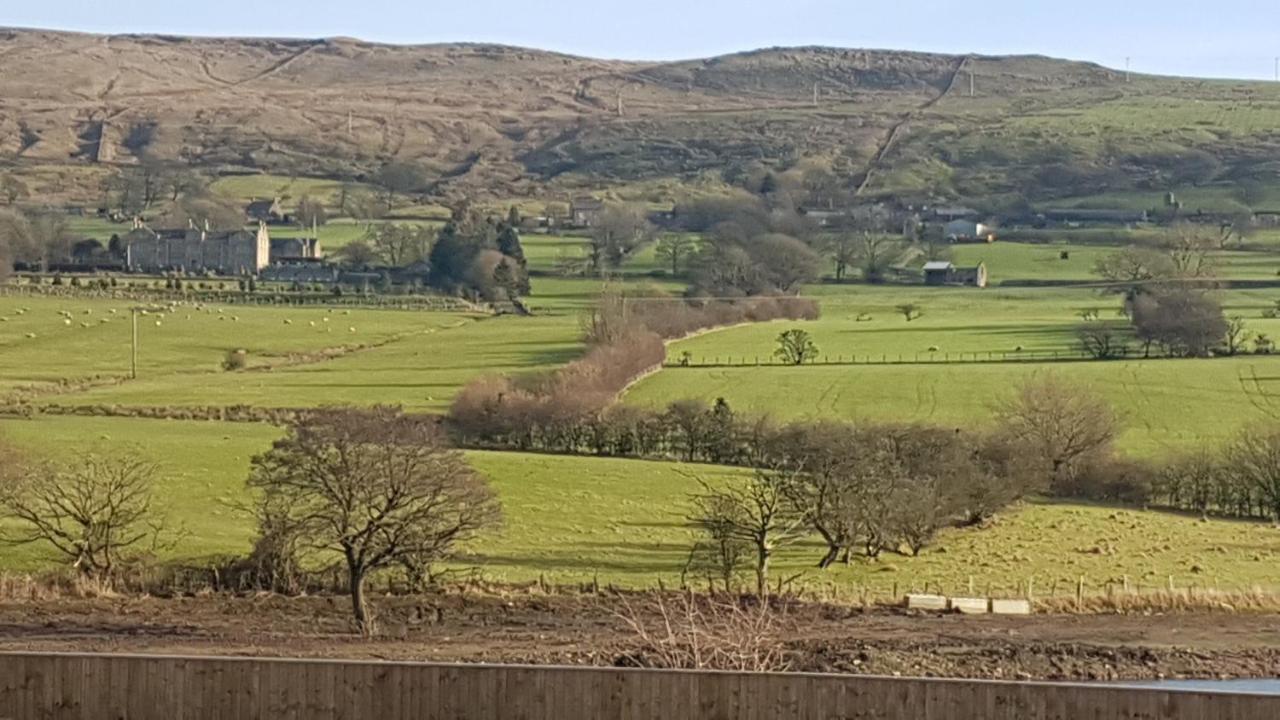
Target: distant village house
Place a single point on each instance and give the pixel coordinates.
(585, 211)
(266, 211)
(962, 231)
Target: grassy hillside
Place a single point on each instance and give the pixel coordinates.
(492, 122)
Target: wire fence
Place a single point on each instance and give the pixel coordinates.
(929, 357)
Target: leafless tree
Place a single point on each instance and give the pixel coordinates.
(1102, 341)
(694, 632)
(1235, 334)
(400, 244)
(877, 253)
(377, 487)
(1131, 267)
(96, 512)
(1059, 422)
(35, 238)
(619, 230)
(676, 249)
(755, 510)
(311, 212)
(1189, 248)
(1254, 458)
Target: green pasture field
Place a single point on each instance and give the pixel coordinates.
(573, 519)
(1166, 404)
(288, 189)
(433, 354)
(185, 340)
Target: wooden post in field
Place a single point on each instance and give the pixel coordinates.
(133, 348)
(1080, 592)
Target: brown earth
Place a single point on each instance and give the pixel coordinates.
(588, 630)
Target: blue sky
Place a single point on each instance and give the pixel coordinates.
(1211, 38)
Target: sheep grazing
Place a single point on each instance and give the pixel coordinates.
(313, 323)
(933, 348)
(4, 319)
(66, 321)
(88, 311)
(85, 324)
(287, 321)
(113, 311)
(31, 336)
(351, 329)
(326, 319)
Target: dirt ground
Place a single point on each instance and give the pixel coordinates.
(588, 630)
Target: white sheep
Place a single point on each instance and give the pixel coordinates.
(31, 336)
(66, 321)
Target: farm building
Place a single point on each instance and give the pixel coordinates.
(949, 214)
(295, 249)
(267, 211)
(585, 211)
(1097, 217)
(968, 231)
(228, 252)
(941, 272)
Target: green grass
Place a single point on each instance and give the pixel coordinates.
(1166, 404)
(434, 353)
(178, 344)
(624, 521)
(289, 189)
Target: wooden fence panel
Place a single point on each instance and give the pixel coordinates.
(131, 687)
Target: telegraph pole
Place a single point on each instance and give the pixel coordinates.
(971, 84)
(1127, 60)
(133, 354)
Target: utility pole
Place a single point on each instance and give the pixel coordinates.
(971, 84)
(815, 94)
(350, 124)
(133, 355)
(1127, 60)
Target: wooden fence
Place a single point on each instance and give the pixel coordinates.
(139, 687)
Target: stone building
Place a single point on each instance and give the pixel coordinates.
(226, 252)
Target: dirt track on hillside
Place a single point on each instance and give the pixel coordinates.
(578, 630)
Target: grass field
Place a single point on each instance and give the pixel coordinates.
(1165, 403)
(572, 519)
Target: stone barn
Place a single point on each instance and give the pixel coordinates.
(942, 272)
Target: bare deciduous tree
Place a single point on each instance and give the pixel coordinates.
(96, 512)
(1058, 421)
(377, 487)
(755, 510)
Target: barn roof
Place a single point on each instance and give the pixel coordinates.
(938, 265)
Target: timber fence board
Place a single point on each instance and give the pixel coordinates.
(58, 686)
